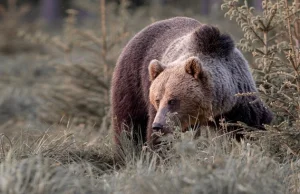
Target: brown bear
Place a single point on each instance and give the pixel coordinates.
(183, 67)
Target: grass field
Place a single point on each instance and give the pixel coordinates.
(78, 162)
(56, 135)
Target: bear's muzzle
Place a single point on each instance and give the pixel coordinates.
(157, 127)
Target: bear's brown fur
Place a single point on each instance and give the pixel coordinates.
(190, 69)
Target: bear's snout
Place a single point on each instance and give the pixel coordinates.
(159, 123)
(157, 127)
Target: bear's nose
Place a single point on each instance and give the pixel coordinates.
(157, 126)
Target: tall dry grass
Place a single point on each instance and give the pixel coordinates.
(64, 162)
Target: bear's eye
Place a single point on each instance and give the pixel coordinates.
(172, 102)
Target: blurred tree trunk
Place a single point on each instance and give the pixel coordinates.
(205, 7)
(50, 10)
(257, 5)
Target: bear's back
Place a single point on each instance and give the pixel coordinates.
(153, 40)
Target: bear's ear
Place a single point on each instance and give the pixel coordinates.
(193, 67)
(155, 68)
(210, 41)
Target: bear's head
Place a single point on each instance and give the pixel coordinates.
(184, 89)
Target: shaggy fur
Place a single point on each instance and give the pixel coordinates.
(211, 42)
(190, 69)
